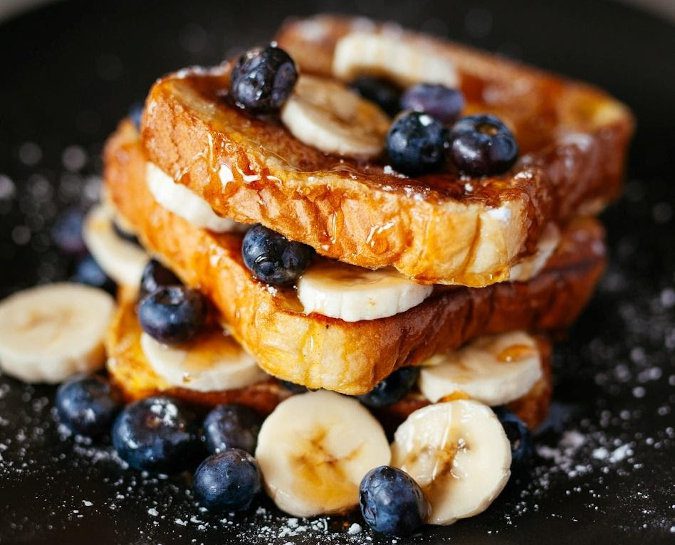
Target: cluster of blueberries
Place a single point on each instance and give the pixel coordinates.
(427, 133)
(164, 434)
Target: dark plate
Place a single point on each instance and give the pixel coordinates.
(605, 472)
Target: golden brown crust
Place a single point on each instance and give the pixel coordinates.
(437, 229)
(130, 371)
(322, 352)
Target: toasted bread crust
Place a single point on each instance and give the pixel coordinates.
(130, 371)
(327, 353)
(437, 229)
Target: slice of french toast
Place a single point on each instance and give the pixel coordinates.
(437, 229)
(132, 373)
(322, 352)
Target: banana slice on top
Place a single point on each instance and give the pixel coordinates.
(493, 370)
(353, 293)
(183, 202)
(51, 332)
(395, 55)
(459, 455)
(212, 362)
(123, 261)
(315, 448)
(326, 115)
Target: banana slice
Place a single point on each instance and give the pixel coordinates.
(212, 362)
(459, 455)
(395, 55)
(51, 332)
(315, 448)
(123, 261)
(532, 265)
(325, 114)
(352, 293)
(493, 370)
(181, 201)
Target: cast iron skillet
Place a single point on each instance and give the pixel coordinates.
(70, 71)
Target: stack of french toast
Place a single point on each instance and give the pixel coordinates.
(358, 230)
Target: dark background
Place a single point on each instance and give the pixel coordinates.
(70, 71)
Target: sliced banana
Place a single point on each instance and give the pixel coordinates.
(493, 370)
(122, 260)
(532, 265)
(353, 293)
(326, 115)
(394, 55)
(211, 363)
(51, 332)
(459, 455)
(185, 203)
(315, 448)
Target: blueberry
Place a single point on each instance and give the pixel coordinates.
(87, 405)
(392, 388)
(392, 502)
(232, 426)
(437, 100)
(155, 276)
(522, 448)
(481, 145)
(263, 79)
(293, 387)
(380, 91)
(272, 258)
(89, 272)
(157, 434)
(67, 232)
(172, 314)
(135, 114)
(125, 235)
(416, 143)
(227, 481)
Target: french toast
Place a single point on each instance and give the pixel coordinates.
(130, 370)
(438, 228)
(320, 352)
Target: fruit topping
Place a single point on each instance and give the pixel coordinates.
(392, 502)
(274, 259)
(172, 314)
(157, 434)
(439, 101)
(87, 405)
(381, 91)
(232, 426)
(227, 481)
(155, 276)
(482, 145)
(416, 143)
(392, 388)
(522, 448)
(263, 79)
(89, 272)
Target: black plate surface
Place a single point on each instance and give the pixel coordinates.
(605, 471)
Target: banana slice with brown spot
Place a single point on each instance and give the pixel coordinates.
(325, 114)
(315, 448)
(459, 455)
